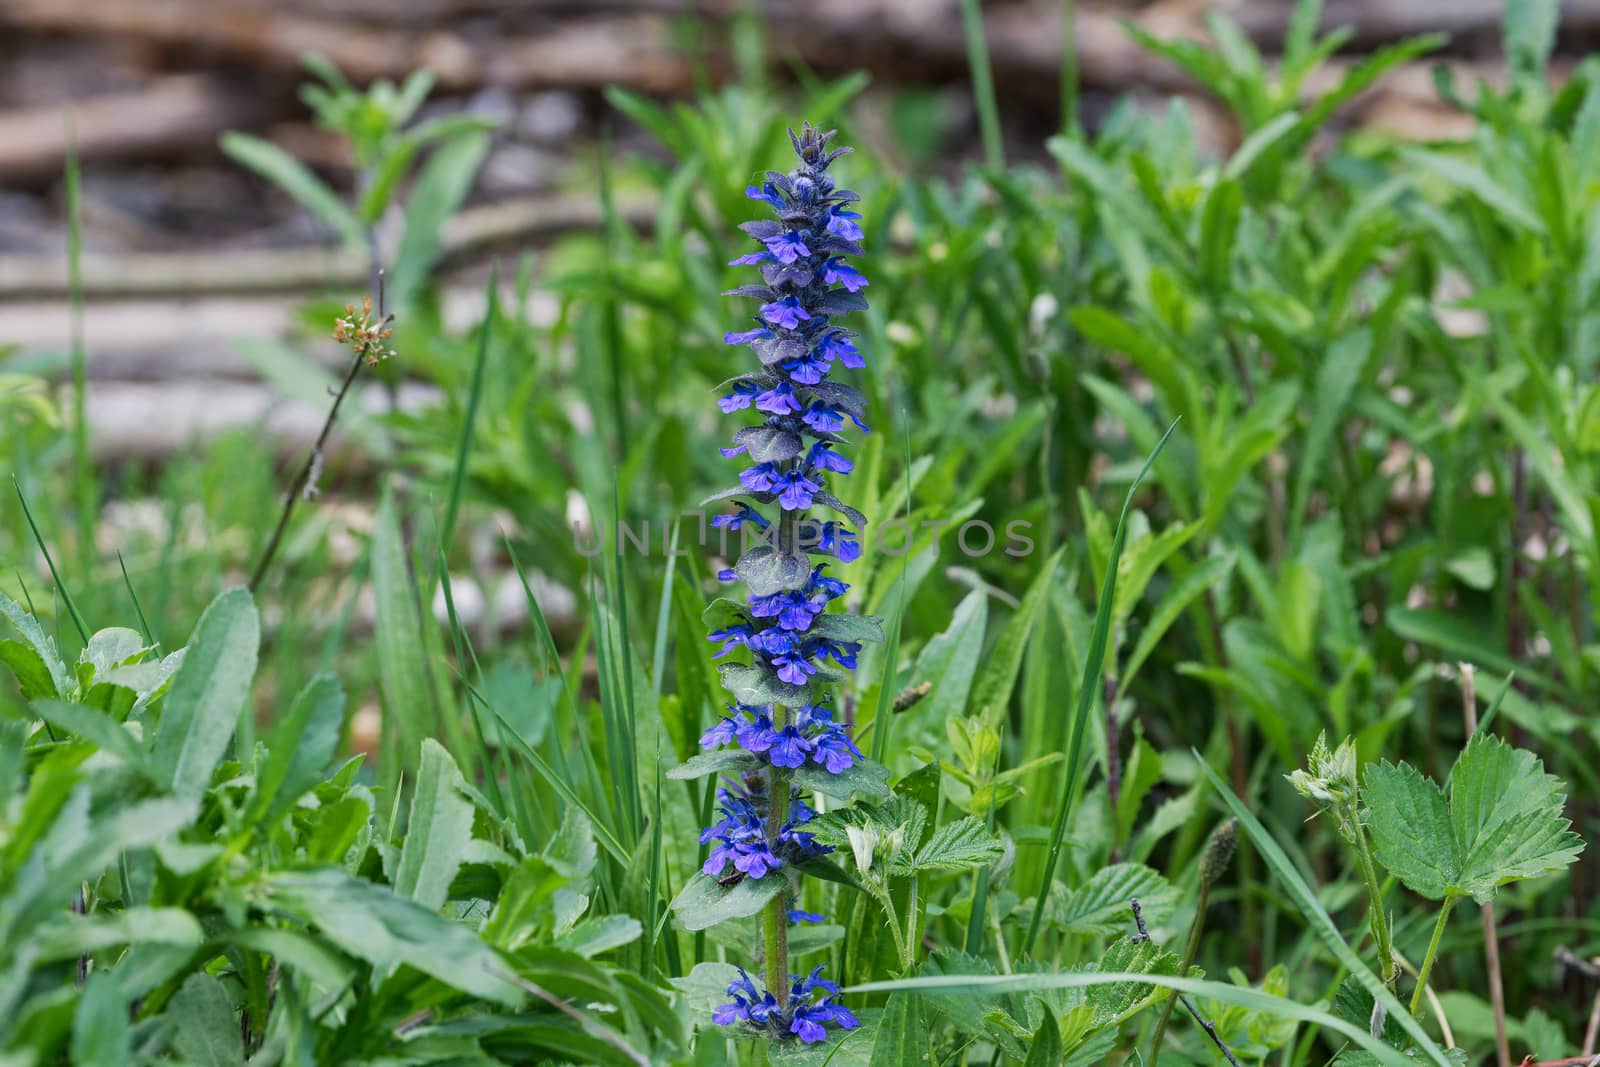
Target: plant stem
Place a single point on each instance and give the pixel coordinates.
(1375, 912)
(1190, 950)
(982, 85)
(303, 480)
(1491, 938)
(775, 919)
(1433, 950)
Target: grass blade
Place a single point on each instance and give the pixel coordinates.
(1087, 690)
(1305, 900)
(55, 575)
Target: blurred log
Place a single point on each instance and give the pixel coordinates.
(1378, 21)
(176, 112)
(468, 236)
(900, 40)
(586, 53)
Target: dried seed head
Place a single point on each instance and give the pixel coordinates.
(1219, 851)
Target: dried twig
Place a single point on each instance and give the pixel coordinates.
(1205, 1024)
(366, 337)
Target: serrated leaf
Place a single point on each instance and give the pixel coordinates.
(704, 903)
(1502, 823)
(1118, 1001)
(1100, 905)
(959, 846)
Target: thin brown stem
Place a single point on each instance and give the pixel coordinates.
(1205, 1024)
(305, 482)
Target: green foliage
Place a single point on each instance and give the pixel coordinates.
(1501, 823)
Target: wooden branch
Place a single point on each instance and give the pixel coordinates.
(464, 238)
(587, 53)
(175, 112)
(895, 40)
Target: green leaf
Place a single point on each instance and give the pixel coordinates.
(863, 776)
(1341, 369)
(295, 179)
(44, 649)
(1100, 906)
(1316, 916)
(998, 675)
(1503, 822)
(205, 1031)
(703, 902)
(758, 685)
(902, 1035)
(208, 693)
(89, 724)
(1195, 581)
(438, 831)
(100, 1031)
(440, 189)
(1530, 35)
(68, 935)
(1045, 1048)
(767, 570)
(371, 923)
(407, 699)
(838, 626)
(1475, 181)
(721, 761)
(958, 846)
(301, 749)
(950, 660)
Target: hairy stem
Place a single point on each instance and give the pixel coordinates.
(1433, 950)
(775, 919)
(1375, 913)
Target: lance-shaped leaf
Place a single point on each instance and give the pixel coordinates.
(1502, 822)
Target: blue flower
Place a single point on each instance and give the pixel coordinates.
(825, 418)
(843, 223)
(785, 312)
(723, 733)
(836, 540)
(838, 272)
(779, 400)
(797, 491)
(787, 246)
(741, 397)
(747, 336)
(795, 670)
(798, 916)
(732, 637)
(765, 193)
(745, 514)
(835, 750)
(824, 458)
(836, 344)
(760, 478)
(791, 748)
(753, 259)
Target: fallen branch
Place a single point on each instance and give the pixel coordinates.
(464, 238)
(176, 112)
